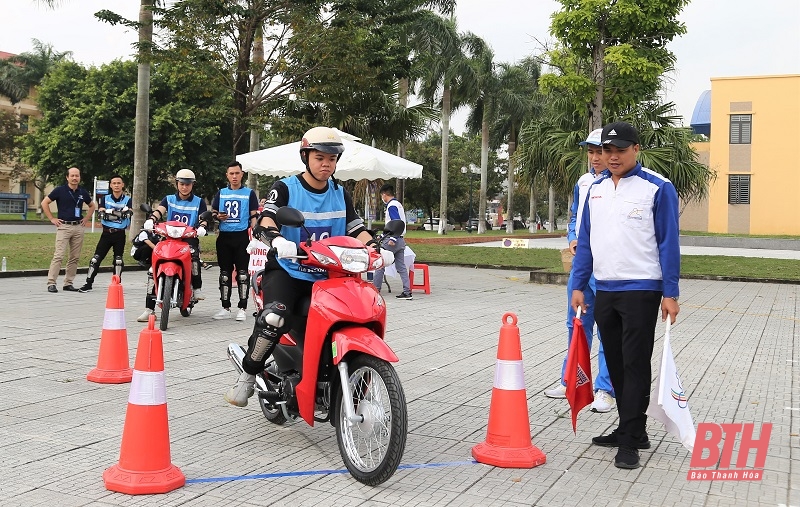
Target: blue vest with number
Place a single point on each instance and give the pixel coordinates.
(236, 203)
(183, 211)
(326, 216)
(109, 203)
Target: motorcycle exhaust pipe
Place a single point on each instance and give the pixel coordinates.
(236, 355)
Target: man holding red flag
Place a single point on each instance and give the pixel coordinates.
(629, 237)
(578, 372)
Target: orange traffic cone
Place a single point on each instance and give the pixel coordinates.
(508, 437)
(144, 459)
(113, 366)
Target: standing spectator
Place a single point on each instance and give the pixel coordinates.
(185, 207)
(629, 234)
(69, 200)
(236, 208)
(395, 244)
(603, 392)
(115, 217)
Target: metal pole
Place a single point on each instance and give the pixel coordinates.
(469, 214)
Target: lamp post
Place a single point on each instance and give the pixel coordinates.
(470, 172)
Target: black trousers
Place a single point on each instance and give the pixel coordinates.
(232, 251)
(107, 241)
(627, 324)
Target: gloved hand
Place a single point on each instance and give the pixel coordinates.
(252, 246)
(148, 224)
(284, 247)
(388, 258)
(201, 231)
(125, 208)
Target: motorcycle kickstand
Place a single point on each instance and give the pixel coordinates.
(349, 410)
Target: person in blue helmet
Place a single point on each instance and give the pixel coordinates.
(329, 211)
(603, 391)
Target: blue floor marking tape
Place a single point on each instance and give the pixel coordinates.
(320, 472)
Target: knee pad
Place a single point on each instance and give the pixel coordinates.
(243, 282)
(270, 325)
(118, 265)
(195, 267)
(94, 264)
(225, 285)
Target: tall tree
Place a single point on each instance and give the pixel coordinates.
(613, 53)
(19, 74)
(451, 79)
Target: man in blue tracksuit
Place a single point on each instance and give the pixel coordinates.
(603, 391)
(328, 211)
(629, 237)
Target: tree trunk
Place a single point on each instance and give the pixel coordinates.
(599, 72)
(512, 147)
(445, 159)
(400, 189)
(142, 129)
(484, 169)
(532, 211)
(252, 178)
(551, 208)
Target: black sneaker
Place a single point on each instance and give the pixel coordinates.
(627, 457)
(69, 288)
(52, 288)
(87, 287)
(610, 440)
(405, 295)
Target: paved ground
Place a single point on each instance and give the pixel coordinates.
(736, 345)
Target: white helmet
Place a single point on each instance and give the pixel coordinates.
(322, 139)
(185, 176)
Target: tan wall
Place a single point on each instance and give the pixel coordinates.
(694, 215)
(774, 102)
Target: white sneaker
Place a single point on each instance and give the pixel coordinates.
(146, 315)
(558, 391)
(243, 389)
(603, 402)
(197, 294)
(241, 315)
(223, 313)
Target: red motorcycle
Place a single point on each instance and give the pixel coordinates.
(335, 367)
(172, 266)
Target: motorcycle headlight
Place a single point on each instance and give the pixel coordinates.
(355, 260)
(175, 232)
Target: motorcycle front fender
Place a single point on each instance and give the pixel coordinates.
(360, 339)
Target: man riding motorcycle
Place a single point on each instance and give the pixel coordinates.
(329, 211)
(182, 206)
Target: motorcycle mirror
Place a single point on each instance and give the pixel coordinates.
(290, 217)
(146, 208)
(394, 227)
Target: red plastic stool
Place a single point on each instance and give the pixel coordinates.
(426, 279)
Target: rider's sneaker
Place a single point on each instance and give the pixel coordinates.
(243, 389)
(241, 315)
(146, 315)
(223, 313)
(197, 294)
(87, 287)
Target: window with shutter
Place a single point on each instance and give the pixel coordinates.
(738, 189)
(741, 127)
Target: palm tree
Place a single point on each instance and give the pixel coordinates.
(517, 86)
(450, 75)
(20, 73)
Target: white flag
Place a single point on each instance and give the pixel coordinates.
(669, 403)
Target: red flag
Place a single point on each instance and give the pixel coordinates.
(578, 373)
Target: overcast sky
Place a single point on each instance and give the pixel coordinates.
(724, 38)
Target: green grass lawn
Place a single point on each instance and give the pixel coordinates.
(35, 251)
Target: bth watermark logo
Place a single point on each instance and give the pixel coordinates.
(708, 439)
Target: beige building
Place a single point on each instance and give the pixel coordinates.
(24, 111)
(753, 124)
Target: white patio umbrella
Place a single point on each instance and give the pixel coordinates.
(359, 162)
